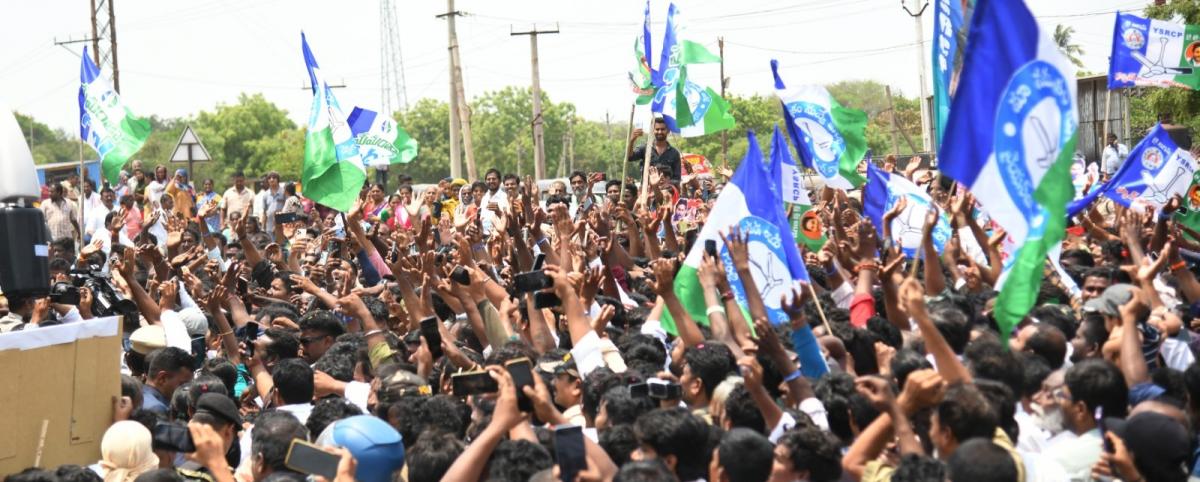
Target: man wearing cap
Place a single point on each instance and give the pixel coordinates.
(568, 392)
(450, 200)
(184, 194)
(220, 413)
(142, 342)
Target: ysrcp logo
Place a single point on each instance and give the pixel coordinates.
(768, 265)
(1152, 158)
(698, 99)
(1133, 38)
(1033, 121)
(820, 135)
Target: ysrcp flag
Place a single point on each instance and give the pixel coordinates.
(1156, 53)
(751, 202)
(804, 221)
(1011, 138)
(105, 123)
(883, 191)
(687, 107)
(947, 21)
(380, 141)
(1155, 171)
(333, 173)
(830, 139)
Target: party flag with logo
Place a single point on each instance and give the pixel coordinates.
(750, 201)
(1010, 138)
(105, 123)
(830, 139)
(333, 171)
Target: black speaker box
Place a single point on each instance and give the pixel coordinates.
(24, 252)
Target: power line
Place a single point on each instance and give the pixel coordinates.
(822, 52)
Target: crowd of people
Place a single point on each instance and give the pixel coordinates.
(394, 336)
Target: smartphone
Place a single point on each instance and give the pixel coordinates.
(531, 281)
(251, 334)
(460, 276)
(569, 451)
(472, 383)
(1099, 414)
(172, 437)
(310, 459)
(521, 371)
(335, 246)
(433, 337)
(546, 299)
(710, 247)
(539, 261)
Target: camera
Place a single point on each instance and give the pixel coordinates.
(107, 300)
(657, 389)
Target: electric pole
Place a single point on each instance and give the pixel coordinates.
(539, 148)
(458, 124)
(921, 66)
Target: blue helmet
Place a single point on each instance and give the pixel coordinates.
(376, 446)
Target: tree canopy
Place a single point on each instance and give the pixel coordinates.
(254, 135)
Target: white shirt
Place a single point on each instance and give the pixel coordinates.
(1114, 157)
(94, 219)
(155, 190)
(487, 217)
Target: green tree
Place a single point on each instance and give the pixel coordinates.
(427, 121)
(1062, 37)
(231, 133)
(50, 145)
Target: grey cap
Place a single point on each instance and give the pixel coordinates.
(1109, 302)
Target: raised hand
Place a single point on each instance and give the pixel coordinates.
(736, 244)
(923, 388)
(794, 307)
(876, 390)
(896, 210)
(664, 276)
(912, 297)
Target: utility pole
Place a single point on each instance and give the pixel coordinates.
(887, 89)
(455, 93)
(562, 158)
(921, 66)
(539, 147)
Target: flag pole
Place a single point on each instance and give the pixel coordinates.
(650, 141)
(628, 147)
(820, 311)
(82, 201)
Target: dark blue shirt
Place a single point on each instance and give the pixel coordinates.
(153, 400)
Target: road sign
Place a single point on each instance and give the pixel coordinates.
(189, 149)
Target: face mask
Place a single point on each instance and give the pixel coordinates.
(1048, 420)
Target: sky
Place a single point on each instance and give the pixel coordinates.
(177, 58)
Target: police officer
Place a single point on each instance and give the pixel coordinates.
(220, 413)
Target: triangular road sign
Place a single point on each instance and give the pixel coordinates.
(189, 148)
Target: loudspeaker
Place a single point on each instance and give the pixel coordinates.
(24, 252)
